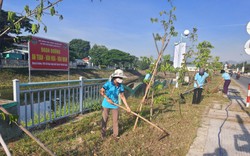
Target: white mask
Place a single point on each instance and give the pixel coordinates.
(119, 80)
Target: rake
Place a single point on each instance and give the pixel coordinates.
(147, 121)
(215, 90)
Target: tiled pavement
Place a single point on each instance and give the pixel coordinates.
(224, 132)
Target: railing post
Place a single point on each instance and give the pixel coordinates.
(16, 95)
(81, 93)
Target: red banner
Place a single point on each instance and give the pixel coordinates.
(46, 54)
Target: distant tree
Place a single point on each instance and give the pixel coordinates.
(134, 64)
(79, 47)
(7, 40)
(233, 66)
(96, 53)
(243, 64)
(117, 57)
(144, 62)
(100, 55)
(72, 56)
(247, 67)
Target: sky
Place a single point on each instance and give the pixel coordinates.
(125, 24)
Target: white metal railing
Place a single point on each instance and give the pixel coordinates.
(43, 102)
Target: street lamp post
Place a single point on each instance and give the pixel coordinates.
(180, 49)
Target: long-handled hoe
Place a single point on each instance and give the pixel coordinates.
(188, 91)
(29, 134)
(154, 125)
(216, 89)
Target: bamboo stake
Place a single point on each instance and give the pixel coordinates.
(139, 116)
(148, 87)
(29, 134)
(165, 41)
(4, 146)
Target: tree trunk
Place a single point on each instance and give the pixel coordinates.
(1, 4)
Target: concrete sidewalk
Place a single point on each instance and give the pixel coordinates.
(225, 128)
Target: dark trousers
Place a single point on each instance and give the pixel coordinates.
(225, 87)
(197, 96)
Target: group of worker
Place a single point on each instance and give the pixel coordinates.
(113, 89)
(199, 82)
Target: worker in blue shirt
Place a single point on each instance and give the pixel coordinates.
(227, 80)
(199, 81)
(111, 91)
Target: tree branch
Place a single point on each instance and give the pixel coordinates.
(26, 16)
(1, 4)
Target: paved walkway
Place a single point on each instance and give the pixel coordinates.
(225, 128)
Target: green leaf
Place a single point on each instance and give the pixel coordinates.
(41, 5)
(27, 10)
(157, 37)
(45, 28)
(52, 11)
(154, 20)
(38, 27)
(60, 17)
(174, 17)
(13, 118)
(172, 28)
(2, 116)
(34, 28)
(162, 12)
(10, 118)
(11, 16)
(17, 27)
(39, 14)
